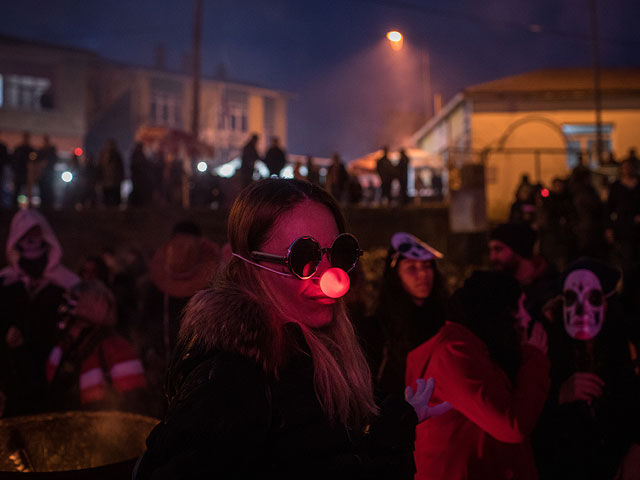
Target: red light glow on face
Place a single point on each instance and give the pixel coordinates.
(77, 151)
(335, 282)
(544, 192)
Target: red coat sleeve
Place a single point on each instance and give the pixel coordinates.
(476, 387)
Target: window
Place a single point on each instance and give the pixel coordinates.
(166, 102)
(25, 92)
(234, 111)
(581, 138)
(269, 117)
(166, 109)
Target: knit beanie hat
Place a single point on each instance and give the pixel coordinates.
(517, 236)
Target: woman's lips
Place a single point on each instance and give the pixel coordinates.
(322, 299)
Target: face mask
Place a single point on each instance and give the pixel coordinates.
(31, 247)
(583, 307)
(34, 268)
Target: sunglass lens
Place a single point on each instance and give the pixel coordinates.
(344, 252)
(305, 257)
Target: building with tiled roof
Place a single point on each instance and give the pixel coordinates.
(535, 123)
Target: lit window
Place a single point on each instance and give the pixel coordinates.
(581, 138)
(24, 92)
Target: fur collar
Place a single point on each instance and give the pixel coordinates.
(230, 319)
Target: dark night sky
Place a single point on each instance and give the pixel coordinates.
(332, 54)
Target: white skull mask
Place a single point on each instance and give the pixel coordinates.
(583, 307)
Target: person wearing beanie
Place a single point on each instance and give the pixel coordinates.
(511, 251)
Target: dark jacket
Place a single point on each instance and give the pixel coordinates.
(229, 418)
(581, 440)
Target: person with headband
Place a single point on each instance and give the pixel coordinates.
(268, 377)
(410, 310)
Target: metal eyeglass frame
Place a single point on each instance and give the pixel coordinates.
(286, 260)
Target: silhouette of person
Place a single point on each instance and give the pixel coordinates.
(249, 157)
(275, 159)
(386, 172)
(402, 173)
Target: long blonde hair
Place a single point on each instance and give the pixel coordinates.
(342, 378)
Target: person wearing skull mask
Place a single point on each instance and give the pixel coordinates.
(411, 309)
(31, 288)
(592, 417)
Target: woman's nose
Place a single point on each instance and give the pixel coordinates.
(324, 264)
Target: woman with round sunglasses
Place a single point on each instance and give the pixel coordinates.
(411, 309)
(268, 377)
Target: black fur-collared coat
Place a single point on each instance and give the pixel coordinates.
(230, 418)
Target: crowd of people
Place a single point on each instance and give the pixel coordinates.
(586, 214)
(257, 358)
(169, 176)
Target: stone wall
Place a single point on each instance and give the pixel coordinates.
(88, 232)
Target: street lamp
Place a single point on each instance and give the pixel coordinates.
(396, 39)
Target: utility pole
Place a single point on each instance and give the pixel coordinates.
(197, 45)
(597, 91)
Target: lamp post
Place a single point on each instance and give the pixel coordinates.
(396, 40)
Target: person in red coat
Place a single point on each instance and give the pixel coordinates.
(496, 381)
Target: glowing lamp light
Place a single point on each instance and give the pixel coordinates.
(66, 176)
(394, 36)
(335, 282)
(78, 151)
(396, 40)
(202, 166)
(544, 192)
(227, 170)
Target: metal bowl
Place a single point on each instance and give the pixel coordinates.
(67, 442)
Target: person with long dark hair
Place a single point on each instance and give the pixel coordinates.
(268, 377)
(411, 309)
(496, 380)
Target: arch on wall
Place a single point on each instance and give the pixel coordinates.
(530, 119)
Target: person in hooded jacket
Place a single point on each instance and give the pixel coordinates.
(31, 289)
(411, 310)
(268, 379)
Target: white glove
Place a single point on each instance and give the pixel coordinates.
(419, 400)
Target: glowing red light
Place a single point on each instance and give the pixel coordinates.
(544, 192)
(335, 282)
(77, 151)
